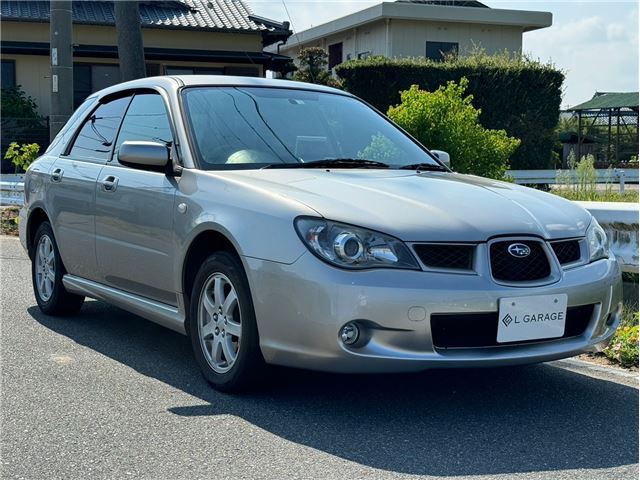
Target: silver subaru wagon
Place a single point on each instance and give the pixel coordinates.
(276, 222)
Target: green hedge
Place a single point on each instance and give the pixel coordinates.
(518, 95)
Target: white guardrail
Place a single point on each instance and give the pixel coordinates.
(620, 220)
(549, 177)
(12, 190)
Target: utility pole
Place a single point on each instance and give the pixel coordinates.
(130, 47)
(61, 44)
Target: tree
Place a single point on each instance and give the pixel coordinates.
(283, 69)
(313, 67)
(447, 120)
(130, 46)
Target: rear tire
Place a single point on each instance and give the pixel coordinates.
(222, 325)
(47, 271)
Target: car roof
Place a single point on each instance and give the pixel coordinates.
(169, 82)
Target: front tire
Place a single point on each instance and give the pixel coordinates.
(222, 325)
(47, 271)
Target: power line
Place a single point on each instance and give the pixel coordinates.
(295, 33)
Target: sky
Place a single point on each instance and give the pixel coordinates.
(594, 42)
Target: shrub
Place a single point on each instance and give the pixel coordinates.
(624, 345)
(313, 67)
(515, 94)
(21, 122)
(15, 103)
(446, 120)
(22, 155)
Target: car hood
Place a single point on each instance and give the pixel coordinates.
(433, 206)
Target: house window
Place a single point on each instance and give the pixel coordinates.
(153, 69)
(242, 71)
(335, 55)
(89, 78)
(81, 83)
(438, 51)
(194, 71)
(8, 73)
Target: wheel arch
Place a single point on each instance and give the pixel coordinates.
(201, 246)
(36, 217)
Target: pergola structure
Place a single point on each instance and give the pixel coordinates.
(612, 119)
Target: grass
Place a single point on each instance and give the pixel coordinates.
(579, 183)
(597, 195)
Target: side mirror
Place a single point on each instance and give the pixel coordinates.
(442, 156)
(139, 154)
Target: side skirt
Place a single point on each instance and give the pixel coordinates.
(160, 313)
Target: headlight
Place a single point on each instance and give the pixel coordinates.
(597, 242)
(352, 247)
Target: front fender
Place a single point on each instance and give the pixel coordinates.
(259, 224)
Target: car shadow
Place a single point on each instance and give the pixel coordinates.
(440, 422)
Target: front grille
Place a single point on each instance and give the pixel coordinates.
(474, 330)
(457, 257)
(567, 251)
(506, 267)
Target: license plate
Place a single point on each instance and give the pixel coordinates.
(532, 318)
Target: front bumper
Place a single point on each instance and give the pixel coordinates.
(301, 307)
(22, 228)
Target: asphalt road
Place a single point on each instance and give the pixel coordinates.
(106, 394)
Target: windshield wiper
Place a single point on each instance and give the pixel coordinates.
(422, 167)
(332, 163)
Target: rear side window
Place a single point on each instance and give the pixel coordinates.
(146, 120)
(73, 121)
(95, 140)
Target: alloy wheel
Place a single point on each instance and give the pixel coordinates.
(45, 268)
(219, 323)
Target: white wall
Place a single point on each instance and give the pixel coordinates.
(409, 37)
(368, 38)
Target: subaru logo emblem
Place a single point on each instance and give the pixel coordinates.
(519, 250)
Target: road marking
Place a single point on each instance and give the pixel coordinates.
(61, 359)
(601, 372)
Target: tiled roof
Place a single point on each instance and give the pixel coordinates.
(177, 14)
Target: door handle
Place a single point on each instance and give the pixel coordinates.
(56, 175)
(110, 183)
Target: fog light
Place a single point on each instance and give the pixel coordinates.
(350, 333)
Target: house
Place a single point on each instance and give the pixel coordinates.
(186, 36)
(419, 28)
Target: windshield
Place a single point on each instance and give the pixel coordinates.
(246, 127)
